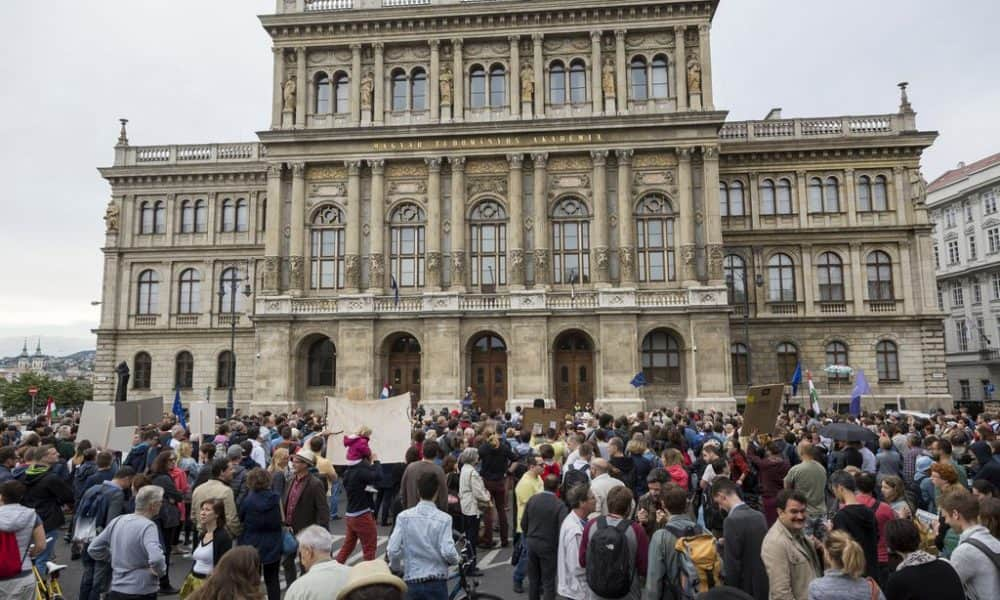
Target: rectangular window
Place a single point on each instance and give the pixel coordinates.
(937, 257)
(940, 297)
(949, 217)
(977, 293)
(993, 239)
(981, 333)
(989, 203)
(995, 278)
(965, 389)
(972, 247)
(957, 299)
(962, 331)
(953, 255)
(968, 213)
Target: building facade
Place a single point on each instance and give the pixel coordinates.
(963, 208)
(534, 199)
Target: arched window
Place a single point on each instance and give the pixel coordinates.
(887, 361)
(815, 195)
(731, 199)
(488, 253)
(477, 87)
(836, 354)
(184, 370)
(322, 94)
(341, 93)
(407, 246)
(863, 190)
(767, 197)
(661, 358)
(148, 298)
(142, 368)
(159, 217)
(831, 195)
(781, 278)
(655, 239)
(224, 371)
(577, 82)
(784, 197)
(242, 215)
(418, 90)
(830, 272)
(187, 216)
(498, 86)
(230, 302)
(638, 69)
(146, 217)
(740, 357)
(322, 363)
(327, 256)
(200, 216)
(228, 215)
(788, 359)
(570, 242)
(880, 198)
(189, 292)
(399, 85)
(557, 83)
(659, 80)
(879, 276)
(735, 270)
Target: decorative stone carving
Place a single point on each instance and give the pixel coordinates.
(111, 218)
(326, 173)
(569, 163)
(517, 266)
(483, 185)
(433, 264)
(271, 273)
(485, 167)
(445, 81)
(367, 90)
(529, 223)
(541, 265)
(654, 160)
(601, 256)
(715, 258)
(694, 76)
(527, 83)
(687, 255)
(458, 268)
(295, 264)
(288, 94)
(406, 170)
(608, 79)
(352, 271)
(626, 263)
(376, 269)
(918, 186)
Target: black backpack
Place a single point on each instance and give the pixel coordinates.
(610, 567)
(574, 477)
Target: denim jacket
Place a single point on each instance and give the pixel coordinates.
(425, 533)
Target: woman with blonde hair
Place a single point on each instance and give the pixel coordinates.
(279, 470)
(894, 494)
(843, 578)
(673, 462)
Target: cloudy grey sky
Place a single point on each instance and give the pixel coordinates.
(192, 71)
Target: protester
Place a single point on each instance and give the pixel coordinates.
(358, 477)
(844, 576)
(602, 483)
(324, 577)
(260, 515)
(527, 487)
(572, 578)
(408, 487)
(789, 557)
(935, 578)
(212, 545)
(495, 460)
(771, 474)
(976, 556)
(303, 504)
(169, 519)
(100, 505)
(131, 543)
(372, 580)
(236, 577)
(619, 566)
(474, 499)
(856, 519)
(543, 516)
(743, 535)
(664, 562)
(26, 527)
(47, 493)
(809, 477)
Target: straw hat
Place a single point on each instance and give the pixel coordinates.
(370, 572)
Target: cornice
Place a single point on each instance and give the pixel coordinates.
(210, 175)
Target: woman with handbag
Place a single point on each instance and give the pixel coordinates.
(169, 519)
(474, 498)
(214, 543)
(260, 514)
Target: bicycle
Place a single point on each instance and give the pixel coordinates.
(48, 588)
(466, 586)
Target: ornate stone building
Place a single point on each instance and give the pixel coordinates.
(534, 199)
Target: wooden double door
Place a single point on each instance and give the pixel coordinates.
(489, 372)
(404, 367)
(574, 371)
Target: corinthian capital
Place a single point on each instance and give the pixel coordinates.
(540, 158)
(433, 164)
(457, 163)
(624, 156)
(515, 160)
(599, 157)
(298, 169)
(353, 167)
(377, 165)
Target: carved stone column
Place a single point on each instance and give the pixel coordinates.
(900, 195)
(597, 95)
(538, 64)
(808, 281)
(686, 231)
(458, 261)
(433, 223)
(851, 196)
(680, 68)
(803, 198)
(434, 78)
(272, 235)
(857, 281)
(376, 226)
(713, 219)
(296, 246)
(279, 84)
(515, 75)
(620, 71)
(540, 225)
(599, 234)
(352, 254)
(626, 226)
(515, 242)
(356, 76)
(379, 102)
(458, 80)
(705, 51)
(301, 88)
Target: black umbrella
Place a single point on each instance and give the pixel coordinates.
(848, 432)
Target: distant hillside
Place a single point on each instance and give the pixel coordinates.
(83, 356)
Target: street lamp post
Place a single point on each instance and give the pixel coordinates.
(247, 291)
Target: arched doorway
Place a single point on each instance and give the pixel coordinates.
(404, 366)
(488, 372)
(574, 370)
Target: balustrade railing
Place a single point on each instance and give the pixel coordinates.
(130, 156)
(785, 129)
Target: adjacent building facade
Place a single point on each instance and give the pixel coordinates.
(534, 199)
(963, 204)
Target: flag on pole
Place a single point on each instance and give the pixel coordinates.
(385, 392)
(796, 379)
(395, 290)
(861, 388)
(178, 408)
(639, 380)
(50, 407)
(813, 394)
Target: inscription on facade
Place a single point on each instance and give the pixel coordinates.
(488, 142)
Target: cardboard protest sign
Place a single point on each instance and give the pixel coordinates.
(763, 406)
(138, 413)
(539, 420)
(201, 419)
(120, 438)
(96, 422)
(389, 420)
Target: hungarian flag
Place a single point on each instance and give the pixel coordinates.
(813, 394)
(50, 406)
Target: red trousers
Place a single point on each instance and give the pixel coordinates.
(361, 528)
(498, 491)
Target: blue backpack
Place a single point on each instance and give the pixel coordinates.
(92, 514)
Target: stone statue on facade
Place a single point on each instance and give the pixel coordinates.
(111, 218)
(626, 264)
(608, 79)
(295, 272)
(527, 84)
(445, 83)
(376, 270)
(271, 274)
(367, 89)
(433, 262)
(918, 186)
(123, 373)
(352, 271)
(289, 91)
(693, 76)
(458, 267)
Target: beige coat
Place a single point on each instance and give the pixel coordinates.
(211, 490)
(791, 564)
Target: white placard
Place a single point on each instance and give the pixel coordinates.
(201, 419)
(389, 420)
(96, 422)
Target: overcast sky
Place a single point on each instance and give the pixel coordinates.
(193, 71)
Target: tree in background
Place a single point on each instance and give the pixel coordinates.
(15, 400)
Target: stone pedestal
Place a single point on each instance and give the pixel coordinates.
(527, 111)
(610, 107)
(366, 117)
(446, 113)
(695, 102)
(287, 118)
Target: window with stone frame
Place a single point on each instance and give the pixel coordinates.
(836, 354)
(498, 86)
(187, 216)
(887, 361)
(418, 90)
(965, 390)
(189, 292)
(977, 292)
(989, 203)
(781, 278)
(949, 217)
(787, 359)
(830, 273)
(406, 234)
(399, 85)
(879, 269)
(962, 334)
(148, 296)
(954, 256)
(824, 195)
(972, 247)
(984, 341)
(940, 297)
(661, 358)
(735, 272)
(152, 217)
(142, 368)
(184, 371)
(577, 82)
(654, 220)
(658, 78)
(326, 256)
(937, 257)
(957, 297)
(775, 198)
(323, 89)
(740, 357)
(341, 93)
(488, 249)
(871, 194)
(993, 239)
(231, 300)
(228, 216)
(477, 87)
(731, 199)
(995, 281)
(557, 83)
(224, 368)
(639, 81)
(968, 211)
(242, 215)
(570, 242)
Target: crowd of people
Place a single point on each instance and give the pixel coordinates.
(662, 505)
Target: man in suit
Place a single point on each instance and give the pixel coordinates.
(743, 533)
(542, 518)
